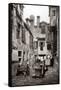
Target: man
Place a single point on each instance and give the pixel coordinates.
(42, 65)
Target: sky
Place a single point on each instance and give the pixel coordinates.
(42, 11)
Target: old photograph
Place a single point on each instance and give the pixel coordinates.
(34, 44)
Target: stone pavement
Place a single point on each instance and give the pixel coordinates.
(51, 77)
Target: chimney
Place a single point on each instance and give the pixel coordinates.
(32, 20)
(38, 21)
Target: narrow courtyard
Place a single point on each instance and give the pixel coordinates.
(51, 77)
(35, 44)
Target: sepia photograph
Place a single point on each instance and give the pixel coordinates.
(34, 44)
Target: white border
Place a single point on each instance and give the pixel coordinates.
(4, 43)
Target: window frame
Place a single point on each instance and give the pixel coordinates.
(53, 12)
(41, 46)
(19, 55)
(48, 48)
(43, 29)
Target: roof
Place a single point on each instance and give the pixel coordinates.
(43, 22)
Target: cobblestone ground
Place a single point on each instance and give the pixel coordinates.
(51, 77)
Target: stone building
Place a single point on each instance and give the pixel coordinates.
(54, 28)
(40, 42)
(22, 38)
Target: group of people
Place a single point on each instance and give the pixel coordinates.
(41, 59)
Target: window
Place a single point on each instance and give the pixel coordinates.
(19, 59)
(49, 46)
(24, 55)
(41, 45)
(43, 29)
(31, 41)
(18, 31)
(23, 35)
(53, 12)
(19, 53)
